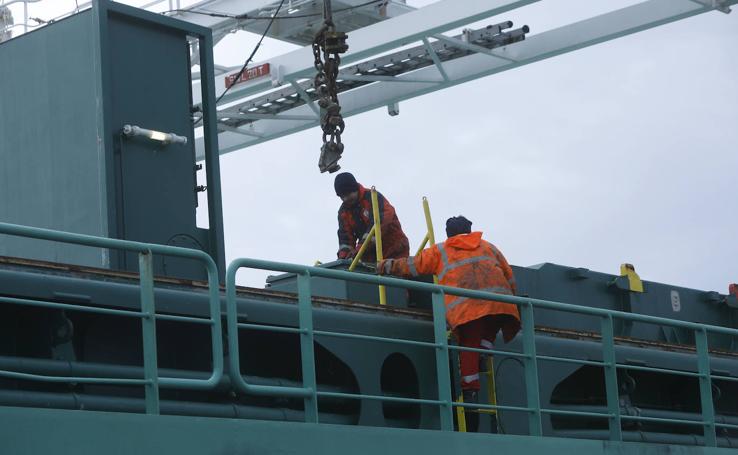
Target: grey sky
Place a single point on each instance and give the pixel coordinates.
(622, 152)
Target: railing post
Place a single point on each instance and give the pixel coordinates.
(703, 365)
(305, 306)
(443, 374)
(611, 378)
(148, 327)
(531, 370)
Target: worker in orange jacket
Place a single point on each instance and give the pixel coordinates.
(467, 261)
(356, 218)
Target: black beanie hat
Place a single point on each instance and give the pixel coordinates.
(345, 183)
(457, 225)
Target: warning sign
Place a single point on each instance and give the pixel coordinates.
(248, 74)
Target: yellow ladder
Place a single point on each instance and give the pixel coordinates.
(491, 397)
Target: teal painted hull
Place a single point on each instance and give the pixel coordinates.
(36, 431)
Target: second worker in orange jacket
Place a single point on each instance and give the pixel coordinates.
(467, 261)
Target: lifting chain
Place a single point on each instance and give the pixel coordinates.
(327, 47)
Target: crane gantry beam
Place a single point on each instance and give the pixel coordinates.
(375, 39)
(421, 26)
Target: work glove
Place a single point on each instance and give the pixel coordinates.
(345, 252)
(384, 267)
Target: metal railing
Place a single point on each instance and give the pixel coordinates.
(528, 355)
(151, 380)
(309, 391)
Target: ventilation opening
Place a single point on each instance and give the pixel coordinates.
(399, 379)
(276, 358)
(658, 395)
(582, 389)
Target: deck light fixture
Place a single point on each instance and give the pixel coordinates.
(164, 138)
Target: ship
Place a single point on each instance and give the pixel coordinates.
(126, 330)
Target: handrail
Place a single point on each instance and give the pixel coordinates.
(309, 390)
(147, 314)
(441, 347)
(263, 264)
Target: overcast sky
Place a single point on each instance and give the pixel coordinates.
(622, 152)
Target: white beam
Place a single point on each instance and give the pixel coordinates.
(379, 78)
(436, 60)
(305, 97)
(251, 116)
(231, 129)
(609, 26)
(377, 38)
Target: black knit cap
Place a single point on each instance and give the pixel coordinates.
(345, 183)
(457, 225)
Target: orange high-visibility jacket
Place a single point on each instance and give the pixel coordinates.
(467, 261)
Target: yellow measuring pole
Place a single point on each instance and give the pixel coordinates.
(422, 244)
(430, 236)
(378, 241)
(361, 251)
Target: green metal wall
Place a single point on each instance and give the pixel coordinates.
(147, 84)
(51, 144)
(67, 91)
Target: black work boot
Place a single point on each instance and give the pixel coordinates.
(472, 416)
